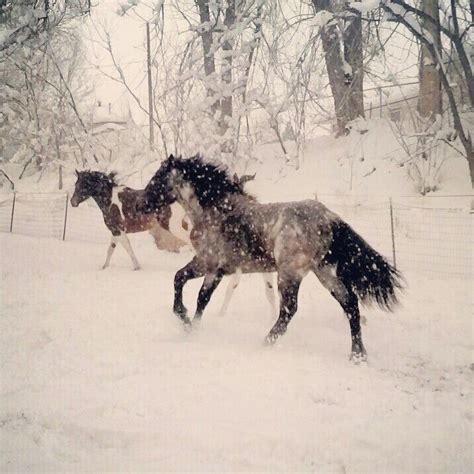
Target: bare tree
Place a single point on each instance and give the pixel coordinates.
(341, 36)
(207, 37)
(26, 21)
(41, 111)
(414, 19)
(429, 100)
(353, 55)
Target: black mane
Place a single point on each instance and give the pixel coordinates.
(98, 177)
(211, 183)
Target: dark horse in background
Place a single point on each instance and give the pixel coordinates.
(119, 209)
(232, 231)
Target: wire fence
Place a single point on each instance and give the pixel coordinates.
(430, 240)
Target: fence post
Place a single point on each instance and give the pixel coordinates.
(13, 211)
(392, 227)
(65, 216)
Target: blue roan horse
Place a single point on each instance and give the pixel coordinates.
(233, 232)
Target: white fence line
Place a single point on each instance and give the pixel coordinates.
(436, 241)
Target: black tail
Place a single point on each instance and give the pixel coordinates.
(362, 268)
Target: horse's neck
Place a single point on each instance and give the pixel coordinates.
(200, 216)
(193, 211)
(104, 201)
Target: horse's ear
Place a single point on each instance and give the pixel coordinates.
(77, 173)
(171, 158)
(247, 177)
(112, 176)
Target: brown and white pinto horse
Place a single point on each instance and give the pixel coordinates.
(119, 209)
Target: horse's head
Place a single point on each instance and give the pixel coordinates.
(91, 184)
(190, 181)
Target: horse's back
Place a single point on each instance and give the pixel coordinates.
(265, 236)
(132, 220)
(308, 217)
(130, 198)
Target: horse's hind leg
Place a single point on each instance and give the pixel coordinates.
(110, 251)
(288, 287)
(123, 239)
(188, 272)
(211, 282)
(233, 284)
(269, 292)
(346, 297)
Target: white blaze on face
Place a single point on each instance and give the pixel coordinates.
(186, 192)
(176, 223)
(187, 198)
(115, 198)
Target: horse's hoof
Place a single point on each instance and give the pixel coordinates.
(137, 268)
(270, 340)
(358, 357)
(181, 313)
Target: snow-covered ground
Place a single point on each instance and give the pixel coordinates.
(98, 375)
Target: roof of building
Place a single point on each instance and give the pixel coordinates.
(111, 113)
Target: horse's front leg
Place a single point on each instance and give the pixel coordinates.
(110, 251)
(288, 287)
(211, 282)
(188, 272)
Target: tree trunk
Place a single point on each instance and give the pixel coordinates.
(470, 160)
(226, 75)
(207, 41)
(429, 99)
(346, 85)
(3, 12)
(463, 135)
(460, 45)
(354, 58)
(335, 70)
